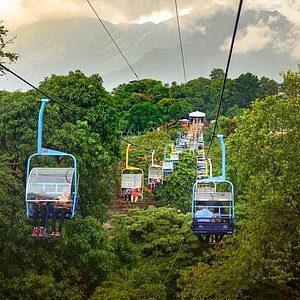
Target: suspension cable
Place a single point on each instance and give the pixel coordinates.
(226, 73)
(170, 269)
(105, 28)
(180, 41)
(58, 102)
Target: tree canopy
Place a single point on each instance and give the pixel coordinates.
(151, 253)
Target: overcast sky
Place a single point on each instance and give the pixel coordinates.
(19, 12)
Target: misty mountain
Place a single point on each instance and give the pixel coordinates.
(153, 50)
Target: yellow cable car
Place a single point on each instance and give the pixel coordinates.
(132, 181)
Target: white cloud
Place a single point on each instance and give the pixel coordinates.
(272, 20)
(288, 8)
(252, 39)
(155, 17)
(288, 44)
(20, 12)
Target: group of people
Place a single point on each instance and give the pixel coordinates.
(205, 215)
(132, 194)
(61, 208)
(155, 182)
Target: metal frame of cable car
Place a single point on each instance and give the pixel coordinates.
(45, 184)
(155, 171)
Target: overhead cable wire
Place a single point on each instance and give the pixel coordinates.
(176, 256)
(35, 88)
(226, 73)
(58, 102)
(105, 28)
(180, 41)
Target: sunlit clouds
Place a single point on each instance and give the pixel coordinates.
(253, 38)
(19, 12)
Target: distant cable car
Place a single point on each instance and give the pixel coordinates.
(212, 209)
(202, 167)
(132, 180)
(174, 155)
(181, 141)
(45, 184)
(155, 174)
(167, 165)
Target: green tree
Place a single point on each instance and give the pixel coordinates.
(268, 87)
(143, 116)
(177, 188)
(260, 261)
(68, 268)
(5, 56)
(216, 73)
(92, 134)
(245, 89)
(291, 82)
(152, 246)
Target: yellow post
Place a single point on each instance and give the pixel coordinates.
(127, 155)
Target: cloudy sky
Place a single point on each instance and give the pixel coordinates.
(251, 39)
(20, 12)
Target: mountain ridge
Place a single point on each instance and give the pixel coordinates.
(57, 47)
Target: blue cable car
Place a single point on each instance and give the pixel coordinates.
(46, 184)
(212, 208)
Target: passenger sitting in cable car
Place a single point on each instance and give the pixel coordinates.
(203, 214)
(216, 218)
(127, 194)
(61, 209)
(39, 210)
(158, 182)
(135, 195)
(153, 183)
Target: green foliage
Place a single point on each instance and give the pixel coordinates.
(4, 55)
(291, 83)
(69, 267)
(261, 261)
(216, 73)
(177, 188)
(143, 116)
(160, 242)
(268, 87)
(245, 89)
(10, 202)
(145, 104)
(18, 127)
(152, 254)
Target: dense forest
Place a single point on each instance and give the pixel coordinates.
(152, 253)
